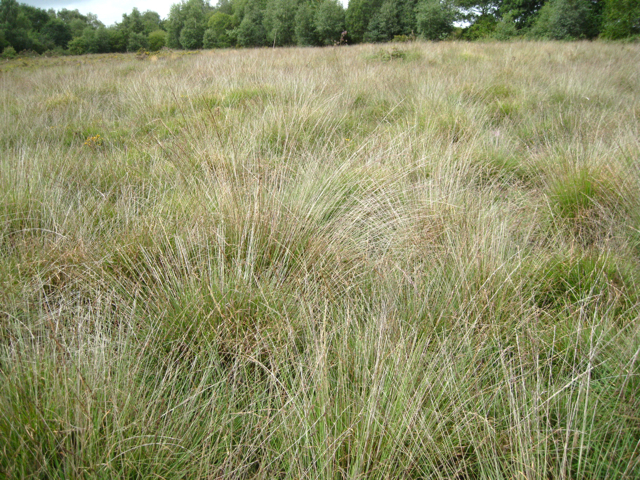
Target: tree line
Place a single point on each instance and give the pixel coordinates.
(195, 24)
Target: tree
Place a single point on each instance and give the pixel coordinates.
(194, 18)
(117, 40)
(137, 41)
(523, 11)
(621, 19)
(475, 9)
(151, 22)
(17, 29)
(175, 23)
(329, 22)
(132, 23)
(483, 27)
(9, 10)
(407, 16)
(435, 18)
(217, 33)
(77, 26)
(78, 45)
(250, 32)
(224, 6)
(358, 15)
(190, 36)
(384, 24)
(566, 20)
(505, 28)
(99, 41)
(37, 17)
(305, 29)
(279, 22)
(58, 31)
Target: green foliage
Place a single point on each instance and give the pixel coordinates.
(564, 20)
(117, 40)
(279, 21)
(58, 31)
(157, 40)
(305, 30)
(174, 26)
(523, 12)
(9, 11)
(217, 35)
(329, 21)
(435, 19)
(99, 41)
(621, 19)
(151, 22)
(195, 21)
(385, 23)
(190, 35)
(251, 32)
(483, 27)
(359, 14)
(137, 41)
(506, 28)
(78, 45)
(9, 52)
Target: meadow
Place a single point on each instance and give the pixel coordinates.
(380, 261)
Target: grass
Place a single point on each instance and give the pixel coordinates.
(362, 262)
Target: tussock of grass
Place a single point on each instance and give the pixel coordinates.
(407, 262)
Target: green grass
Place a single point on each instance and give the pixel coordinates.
(363, 262)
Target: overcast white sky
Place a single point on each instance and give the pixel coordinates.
(110, 12)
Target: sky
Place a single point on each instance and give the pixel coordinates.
(108, 12)
(111, 11)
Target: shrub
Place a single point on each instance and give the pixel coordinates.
(157, 40)
(9, 52)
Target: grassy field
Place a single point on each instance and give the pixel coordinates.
(419, 261)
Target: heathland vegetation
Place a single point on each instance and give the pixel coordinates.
(398, 261)
(195, 24)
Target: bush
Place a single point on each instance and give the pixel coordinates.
(157, 40)
(9, 52)
(78, 46)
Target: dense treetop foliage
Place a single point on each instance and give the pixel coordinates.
(195, 24)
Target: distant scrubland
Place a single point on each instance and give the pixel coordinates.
(414, 261)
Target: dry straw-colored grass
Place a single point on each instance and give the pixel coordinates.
(409, 261)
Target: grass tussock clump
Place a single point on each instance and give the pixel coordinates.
(321, 263)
